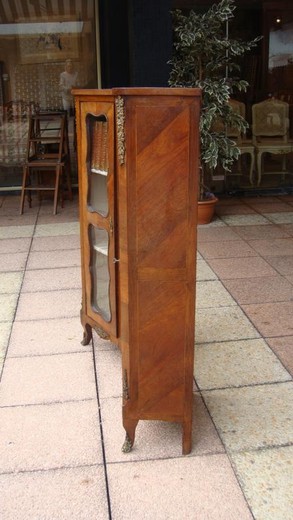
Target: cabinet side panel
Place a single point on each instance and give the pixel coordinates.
(161, 349)
(162, 181)
(162, 170)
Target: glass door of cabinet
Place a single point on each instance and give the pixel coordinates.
(99, 212)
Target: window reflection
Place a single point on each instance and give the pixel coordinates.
(281, 54)
(36, 39)
(99, 269)
(98, 166)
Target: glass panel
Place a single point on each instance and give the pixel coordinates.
(281, 52)
(45, 49)
(97, 159)
(99, 269)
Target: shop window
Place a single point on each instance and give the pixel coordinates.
(36, 43)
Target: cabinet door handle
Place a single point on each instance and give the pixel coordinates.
(115, 260)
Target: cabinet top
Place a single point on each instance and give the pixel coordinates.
(139, 91)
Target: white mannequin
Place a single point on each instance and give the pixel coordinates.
(68, 80)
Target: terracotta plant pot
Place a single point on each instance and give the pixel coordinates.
(206, 210)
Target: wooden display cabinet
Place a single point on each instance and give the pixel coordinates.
(138, 152)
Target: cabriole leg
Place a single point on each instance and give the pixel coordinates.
(129, 426)
(87, 334)
(186, 437)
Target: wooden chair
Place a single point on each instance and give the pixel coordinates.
(270, 133)
(14, 124)
(47, 157)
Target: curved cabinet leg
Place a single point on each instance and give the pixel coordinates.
(129, 426)
(87, 334)
(186, 437)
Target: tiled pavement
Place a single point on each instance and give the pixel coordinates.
(60, 403)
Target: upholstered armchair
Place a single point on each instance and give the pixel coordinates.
(270, 133)
(245, 146)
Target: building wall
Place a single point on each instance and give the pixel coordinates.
(136, 42)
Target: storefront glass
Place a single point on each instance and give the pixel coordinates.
(46, 47)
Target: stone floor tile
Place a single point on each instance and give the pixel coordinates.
(52, 279)
(157, 439)
(47, 259)
(48, 379)
(288, 228)
(43, 337)
(282, 264)
(8, 303)
(245, 220)
(237, 363)
(226, 249)
(216, 222)
(252, 417)
(223, 324)
(8, 232)
(109, 372)
(69, 207)
(41, 437)
(10, 282)
(280, 218)
(11, 201)
(273, 247)
(290, 279)
(270, 207)
(204, 272)
(12, 262)
(260, 289)
(55, 243)
(49, 218)
(227, 200)
(190, 488)
(5, 328)
(13, 211)
(258, 199)
(52, 230)
(75, 493)
(52, 304)
(228, 268)
(209, 234)
(60, 435)
(266, 478)
(102, 344)
(17, 220)
(260, 232)
(283, 348)
(235, 209)
(15, 245)
(213, 294)
(271, 319)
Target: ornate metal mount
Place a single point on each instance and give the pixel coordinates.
(120, 120)
(102, 333)
(127, 446)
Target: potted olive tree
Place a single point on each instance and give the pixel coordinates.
(206, 57)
